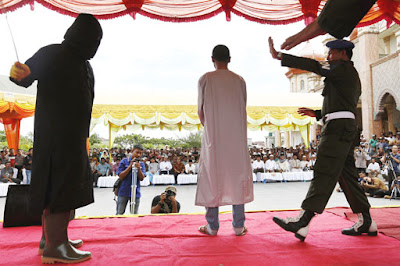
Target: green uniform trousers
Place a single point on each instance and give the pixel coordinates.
(335, 162)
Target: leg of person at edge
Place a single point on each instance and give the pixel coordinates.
(335, 159)
(61, 179)
(125, 175)
(225, 175)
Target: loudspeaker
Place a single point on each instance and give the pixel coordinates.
(16, 211)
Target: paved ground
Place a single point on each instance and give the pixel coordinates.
(270, 196)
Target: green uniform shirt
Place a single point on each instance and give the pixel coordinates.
(342, 87)
(340, 17)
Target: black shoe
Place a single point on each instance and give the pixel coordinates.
(75, 243)
(65, 253)
(58, 247)
(298, 225)
(365, 225)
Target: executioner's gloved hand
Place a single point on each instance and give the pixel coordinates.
(19, 71)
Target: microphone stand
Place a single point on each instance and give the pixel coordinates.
(133, 189)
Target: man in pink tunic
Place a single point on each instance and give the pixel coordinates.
(225, 176)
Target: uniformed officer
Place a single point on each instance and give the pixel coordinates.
(335, 159)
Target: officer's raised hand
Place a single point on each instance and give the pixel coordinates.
(306, 111)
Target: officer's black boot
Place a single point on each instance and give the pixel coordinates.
(298, 225)
(58, 247)
(75, 243)
(365, 225)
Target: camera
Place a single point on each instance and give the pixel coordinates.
(169, 193)
(136, 160)
(388, 150)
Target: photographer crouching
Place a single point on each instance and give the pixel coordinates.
(166, 202)
(125, 175)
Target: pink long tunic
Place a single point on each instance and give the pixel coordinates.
(225, 176)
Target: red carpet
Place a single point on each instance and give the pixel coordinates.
(387, 219)
(174, 240)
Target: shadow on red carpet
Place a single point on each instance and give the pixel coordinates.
(174, 240)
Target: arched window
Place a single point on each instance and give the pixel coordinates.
(302, 85)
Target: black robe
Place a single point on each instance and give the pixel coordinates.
(61, 175)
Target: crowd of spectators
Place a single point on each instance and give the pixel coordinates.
(372, 159)
(12, 164)
(171, 161)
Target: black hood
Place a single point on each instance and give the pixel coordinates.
(84, 36)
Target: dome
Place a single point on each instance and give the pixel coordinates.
(309, 52)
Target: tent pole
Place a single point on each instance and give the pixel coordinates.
(109, 136)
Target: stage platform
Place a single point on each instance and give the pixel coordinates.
(174, 240)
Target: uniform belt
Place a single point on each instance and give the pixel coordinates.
(338, 115)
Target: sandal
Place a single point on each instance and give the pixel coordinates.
(244, 231)
(203, 229)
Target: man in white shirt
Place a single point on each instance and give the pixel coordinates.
(270, 164)
(295, 164)
(165, 166)
(283, 164)
(258, 167)
(312, 161)
(304, 164)
(373, 168)
(190, 168)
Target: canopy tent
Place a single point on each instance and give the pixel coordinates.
(16, 103)
(262, 11)
(280, 113)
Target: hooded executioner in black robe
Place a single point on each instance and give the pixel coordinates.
(61, 175)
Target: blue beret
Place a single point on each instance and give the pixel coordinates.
(340, 44)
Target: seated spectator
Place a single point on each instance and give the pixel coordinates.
(7, 175)
(190, 168)
(179, 168)
(102, 169)
(313, 161)
(283, 164)
(258, 165)
(304, 164)
(3, 159)
(295, 164)
(374, 187)
(271, 165)
(391, 139)
(165, 166)
(11, 156)
(374, 168)
(115, 166)
(166, 202)
(154, 169)
(265, 159)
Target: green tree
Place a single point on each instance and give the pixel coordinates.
(191, 141)
(3, 136)
(94, 139)
(130, 140)
(25, 142)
